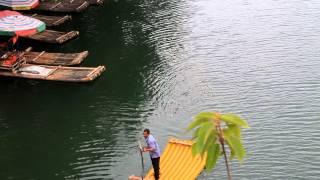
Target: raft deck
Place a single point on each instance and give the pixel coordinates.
(54, 37)
(51, 21)
(56, 73)
(66, 6)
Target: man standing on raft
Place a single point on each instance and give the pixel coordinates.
(154, 150)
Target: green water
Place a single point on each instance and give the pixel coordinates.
(167, 61)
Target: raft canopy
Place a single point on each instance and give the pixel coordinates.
(20, 4)
(13, 23)
(177, 162)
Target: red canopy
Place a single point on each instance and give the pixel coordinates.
(8, 13)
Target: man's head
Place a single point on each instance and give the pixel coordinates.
(146, 133)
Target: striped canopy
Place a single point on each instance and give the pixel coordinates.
(20, 4)
(13, 23)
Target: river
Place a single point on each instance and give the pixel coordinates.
(166, 61)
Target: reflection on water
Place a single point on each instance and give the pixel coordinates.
(168, 60)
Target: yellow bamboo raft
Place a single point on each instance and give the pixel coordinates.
(177, 162)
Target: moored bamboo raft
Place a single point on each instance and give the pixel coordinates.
(56, 73)
(67, 6)
(54, 37)
(46, 58)
(55, 59)
(51, 20)
(95, 2)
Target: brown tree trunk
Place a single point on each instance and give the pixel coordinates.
(226, 161)
(221, 139)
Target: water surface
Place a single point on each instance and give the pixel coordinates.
(166, 61)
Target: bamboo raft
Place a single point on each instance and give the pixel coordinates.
(46, 58)
(51, 20)
(177, 162)
(15, 65)
(56, 73)
(54, 37)
(55, 59)
(66, 6)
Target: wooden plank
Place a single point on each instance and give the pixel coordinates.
(54, 37)
(35, 59)
(51, 20)
(66, 6)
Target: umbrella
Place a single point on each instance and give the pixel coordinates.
(20, 4)
(14, 24)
